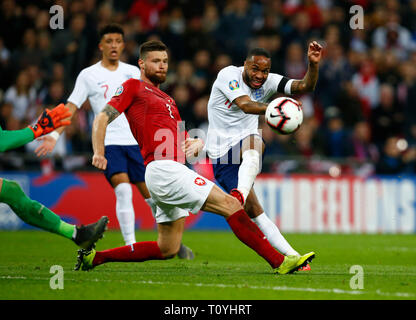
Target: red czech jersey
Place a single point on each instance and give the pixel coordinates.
(154, 120)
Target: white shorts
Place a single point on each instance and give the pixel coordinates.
(176, 189)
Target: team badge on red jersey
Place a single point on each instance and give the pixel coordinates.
(200, 182)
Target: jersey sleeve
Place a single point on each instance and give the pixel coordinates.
(227, 82)
(123, 97)
(280, 83)
(14, 139)
(80, 92)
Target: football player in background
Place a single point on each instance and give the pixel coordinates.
(99, 83)
(31, 211)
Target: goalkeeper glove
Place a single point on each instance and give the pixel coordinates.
(49, 120)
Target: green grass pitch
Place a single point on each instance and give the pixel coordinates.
(223, 269)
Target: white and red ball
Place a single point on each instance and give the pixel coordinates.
(284, 115)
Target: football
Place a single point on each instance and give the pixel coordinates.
(284, 115)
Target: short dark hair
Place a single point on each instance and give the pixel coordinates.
(152, 45)
(111, 28)
(258, 52)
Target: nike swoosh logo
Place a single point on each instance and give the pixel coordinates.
(148, 89)
(275, 116)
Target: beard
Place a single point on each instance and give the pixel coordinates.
(156, 78)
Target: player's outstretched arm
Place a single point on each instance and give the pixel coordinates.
(49, 141)
(14, 139)
(308, 83)
(101, 121)
(249, 106)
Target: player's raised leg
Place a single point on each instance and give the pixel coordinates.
(248, 232)
(36, 214)
(251, 149)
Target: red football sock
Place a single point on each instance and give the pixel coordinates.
(248, 233)
(137, 252)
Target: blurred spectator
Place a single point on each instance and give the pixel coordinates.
(349, 103)
(393, 36)
(393, 160)
(362, 149)
(387, 119)
(300, 31)
(334, 71)
(54, 95)
(335, 135)
(6, 115)
(270, 40)
(70, 47)
(210, 18)
(28, 53)
(367, 84)
(388, 68)
(236, 28)
(182, 96)
(221, 61)
(11, 19)
(148, 11)
(21, 96)
(196, 39)
(201, 113)
(295, 62)
(409, 17)
(5, 66)
(307, 144)
(174, 41)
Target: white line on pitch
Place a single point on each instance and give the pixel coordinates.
(239, 286)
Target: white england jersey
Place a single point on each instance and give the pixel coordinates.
(228, 124)
(99, 84)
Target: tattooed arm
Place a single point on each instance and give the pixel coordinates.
(101, 121)
(308, 83)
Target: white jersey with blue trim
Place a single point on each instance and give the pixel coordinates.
(98, 85)
(228, 124)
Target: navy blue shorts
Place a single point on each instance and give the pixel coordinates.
(127, 159)
(226, 168)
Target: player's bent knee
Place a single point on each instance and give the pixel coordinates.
(232, 205)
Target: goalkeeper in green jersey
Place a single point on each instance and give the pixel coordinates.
(30, 211)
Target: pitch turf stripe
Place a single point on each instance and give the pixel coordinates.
(221, 285)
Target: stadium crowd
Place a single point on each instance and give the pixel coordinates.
(361, 111)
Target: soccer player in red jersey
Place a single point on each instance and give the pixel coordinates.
(156, 125)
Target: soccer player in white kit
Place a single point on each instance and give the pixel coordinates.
(238, 96)
(99, 83)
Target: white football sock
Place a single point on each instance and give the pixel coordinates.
(248, 171)
(152, 205)
(272, 233)
(125, 212)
